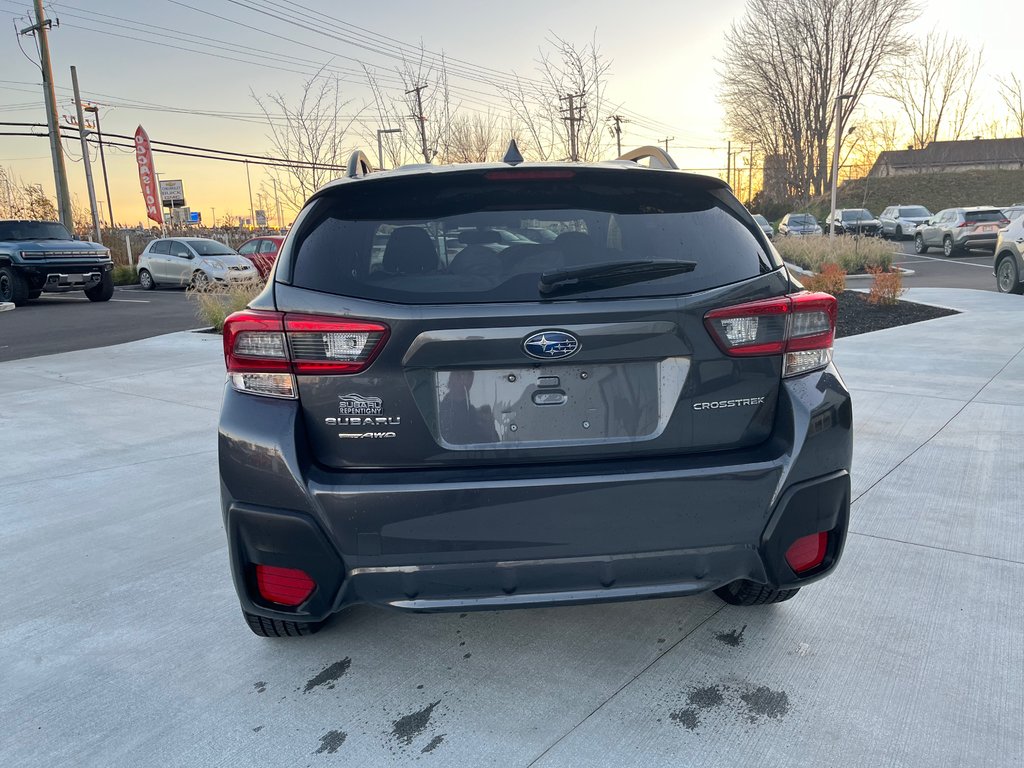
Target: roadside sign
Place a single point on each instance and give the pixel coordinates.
(195, 217)
(261, 218)
(172, 193)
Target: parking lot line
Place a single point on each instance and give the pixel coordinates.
(944, 261)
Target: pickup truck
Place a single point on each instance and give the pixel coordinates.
(37, 256)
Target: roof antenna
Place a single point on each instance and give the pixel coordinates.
(512, 155)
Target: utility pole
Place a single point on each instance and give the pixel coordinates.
(728, 163)
(665, 141)
(835, 160)
(750, 177)
(213, 213)
(252, 212)
(60, 174)
(422, 119)
(617, 130)
(83, 134)
(380, 145)
(277, 201)
(103, 161)
(572, 119)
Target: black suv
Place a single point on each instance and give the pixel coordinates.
(37, 256)
(646, 406)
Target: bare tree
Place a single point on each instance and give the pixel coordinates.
(311, 132)
(786, 64)
(474, 139)
(933, 83)
(19, 200)
(562, 114)
(1011, 91)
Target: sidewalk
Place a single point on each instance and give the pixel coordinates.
(123, 645)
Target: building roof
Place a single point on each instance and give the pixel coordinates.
(953, 153)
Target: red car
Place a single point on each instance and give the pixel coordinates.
(262, 252)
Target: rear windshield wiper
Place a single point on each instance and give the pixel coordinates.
(610, 274)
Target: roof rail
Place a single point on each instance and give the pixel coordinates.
(359, 165)
(659, 157)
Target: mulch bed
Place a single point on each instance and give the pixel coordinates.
(856, 315)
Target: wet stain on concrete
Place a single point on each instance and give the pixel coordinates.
(764, 702)
(407, 728)
(687, 718)
(733, 638)
(329, 675)
(331, 742)
(434, 744)
(699, 700)
(466, 656)
(260, 686)
(419, 687)
(257, 729)
(739, 702)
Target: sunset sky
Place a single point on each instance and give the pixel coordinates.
(662, 54)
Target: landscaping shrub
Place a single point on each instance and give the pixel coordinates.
(854, 255)
(125, 275)
(886, 287)
(831, 279)
(215, 302)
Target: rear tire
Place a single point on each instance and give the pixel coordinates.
(13, 288)
(919, 246)
(1007, 276)
(146, 280)
(899, 232)
(264, 627)
(744, 592)
(104, 291)
(947, 246)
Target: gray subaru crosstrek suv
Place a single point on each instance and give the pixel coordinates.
(421, 415)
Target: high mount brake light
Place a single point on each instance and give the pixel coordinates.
(263, 350)
(801, 327)
(529, 175)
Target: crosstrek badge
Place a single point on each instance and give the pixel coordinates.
(714, 405)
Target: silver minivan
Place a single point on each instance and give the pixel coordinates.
(196, 261)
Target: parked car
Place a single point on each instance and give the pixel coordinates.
(538, 234)
(900, 221)
(262, 252)
(38, 256)
(196, 261)
(798, 224)
(765, 225)
(1013, 212)
(960, 229)
(855, 221)
(646, 406)
(1009, 258)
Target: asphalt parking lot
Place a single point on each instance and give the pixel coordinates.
(933, 270)
(64, 322)
(123, 645)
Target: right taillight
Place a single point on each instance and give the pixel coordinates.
(263, 350)
(801, 327)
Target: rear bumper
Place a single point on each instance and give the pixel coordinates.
(465, 539)
(986, 241)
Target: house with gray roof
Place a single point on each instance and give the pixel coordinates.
(953, 156)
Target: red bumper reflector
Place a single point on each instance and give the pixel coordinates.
(807, 552)
(284, 586)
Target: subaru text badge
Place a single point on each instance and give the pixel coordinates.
(551, 345)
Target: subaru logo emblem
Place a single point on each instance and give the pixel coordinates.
(551, 345)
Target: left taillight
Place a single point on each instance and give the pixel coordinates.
(801, 327)
(263, 350)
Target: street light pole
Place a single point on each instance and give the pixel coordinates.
(380, 145)
(835, 162)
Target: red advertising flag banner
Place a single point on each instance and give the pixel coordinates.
(147, 176)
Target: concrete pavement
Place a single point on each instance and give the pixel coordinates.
(122, 643)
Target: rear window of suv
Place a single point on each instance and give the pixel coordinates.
(984, 216)
(466, 237)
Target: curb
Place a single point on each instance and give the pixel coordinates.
(6, 306)
(807, 273)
